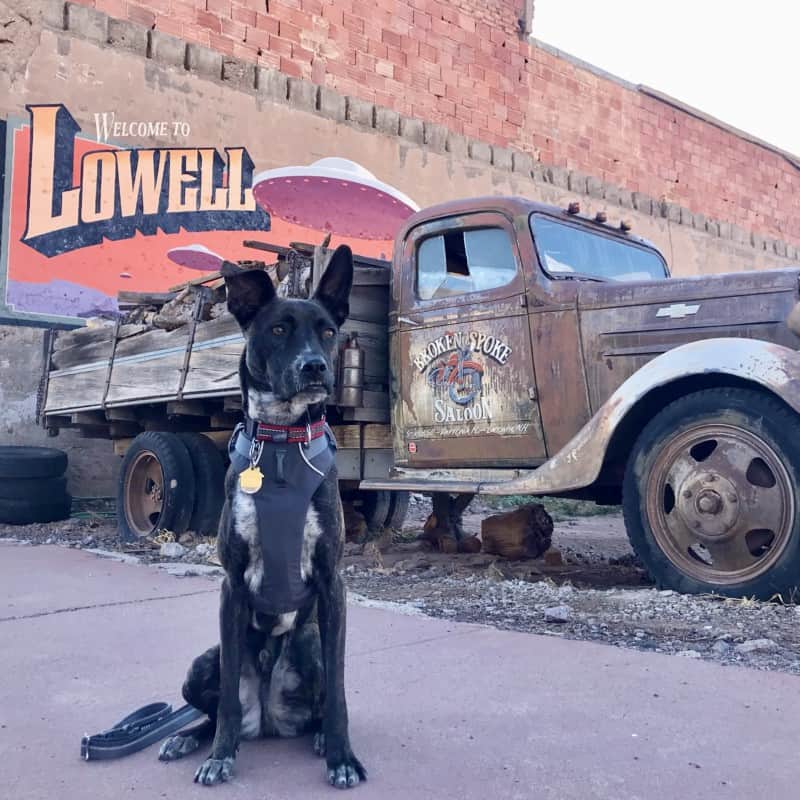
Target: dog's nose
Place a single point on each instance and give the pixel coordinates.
(314, 367)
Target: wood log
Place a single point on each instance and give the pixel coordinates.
(347, 436)
(377, 436)
(126, 298)
(525, 532)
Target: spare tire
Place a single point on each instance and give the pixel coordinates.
(209, 476)
(18, 461)
(34, 489)
(23, 512)
(156, 486)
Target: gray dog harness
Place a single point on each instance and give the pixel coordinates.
(292, 472)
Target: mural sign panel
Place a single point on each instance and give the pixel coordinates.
(84, 218)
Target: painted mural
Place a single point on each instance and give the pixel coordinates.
(84, 218)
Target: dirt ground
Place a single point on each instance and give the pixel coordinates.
(597, 592)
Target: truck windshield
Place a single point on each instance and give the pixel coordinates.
(570, 251)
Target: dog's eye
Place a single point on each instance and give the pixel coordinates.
(328, 333)
(278, 330)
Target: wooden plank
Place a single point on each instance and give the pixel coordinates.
(127, 298)
(75, 391)
(121, 446)
(209, 276)
(365, 415)
(95, 432)
(233, 403)
(347, 436)
(225, 421)
(375, 399)
(377, 436)
(82, 418)
(123, 429)
(122, 414)
(81, 353)
(191, 408)
(81, 336)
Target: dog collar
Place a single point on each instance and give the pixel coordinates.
(288, 434)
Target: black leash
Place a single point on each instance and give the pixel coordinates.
(138, 730)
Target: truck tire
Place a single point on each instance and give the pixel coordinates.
(711, 495)
(156, 486)
(209, 478)
(34, 489)
(398, 509)
(31, 462)
(24, 512)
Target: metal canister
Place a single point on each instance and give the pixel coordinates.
(351, 380)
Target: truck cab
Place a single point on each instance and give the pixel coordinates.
(535, 350)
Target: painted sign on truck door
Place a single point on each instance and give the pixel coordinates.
(463, 347)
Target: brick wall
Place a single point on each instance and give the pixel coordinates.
(465, 64)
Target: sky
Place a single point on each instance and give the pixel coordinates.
(737, 61)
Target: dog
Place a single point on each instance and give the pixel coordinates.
(279, 667)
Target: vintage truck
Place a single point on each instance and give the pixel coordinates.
(510, 348)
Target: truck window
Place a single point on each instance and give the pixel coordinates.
(463, 261)
(566, 249)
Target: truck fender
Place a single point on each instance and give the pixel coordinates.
(579, 462)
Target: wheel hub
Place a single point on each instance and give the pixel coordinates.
(709, 504)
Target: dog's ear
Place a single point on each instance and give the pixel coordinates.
(248, 291)
(333, 291)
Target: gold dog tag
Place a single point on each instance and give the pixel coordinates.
(250, 480)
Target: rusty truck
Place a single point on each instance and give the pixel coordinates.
(509, 348)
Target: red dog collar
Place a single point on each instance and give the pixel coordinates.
(290, 434)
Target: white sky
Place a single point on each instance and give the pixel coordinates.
(738, 61)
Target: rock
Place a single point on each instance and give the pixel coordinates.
(470, 544)
(88, 541)
(186, 538)
(721, 647)
(756, 646)
(558, 614)
(688, 654)
(172, 550)
(553, 558)
(188, 570)
(204, 550)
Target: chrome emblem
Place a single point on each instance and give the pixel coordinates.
(678, 311)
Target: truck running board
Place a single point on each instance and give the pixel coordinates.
(457, 481)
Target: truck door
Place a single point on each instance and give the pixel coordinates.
(461, 348)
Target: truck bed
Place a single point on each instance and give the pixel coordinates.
(118, 378)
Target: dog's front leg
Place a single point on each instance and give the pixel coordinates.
(344, 769)
(233, 620)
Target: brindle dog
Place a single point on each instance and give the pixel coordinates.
(283, 674)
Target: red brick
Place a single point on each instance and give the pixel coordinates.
(173, 27)
(194, 33)
(220, 7)
(246, 52)
(392, 38)
(244, 15)
(290, 68)
(236, 30)
(260, 38)
(281, 46)
(300, 54)
(210, 21)
(141, 15)
(269, 24)
(287, 30)
(182, 10)
(221, 44)
(114, 8)
(352, 23)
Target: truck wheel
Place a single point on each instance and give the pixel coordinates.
(711, 498)
(31, 462)
(209, 477)
(398, 509)
(156, 486)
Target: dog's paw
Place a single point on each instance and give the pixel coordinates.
(319, 744)
(346, 773)
(177, 747)
(214, 770)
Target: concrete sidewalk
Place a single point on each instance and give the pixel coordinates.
(437, 710)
